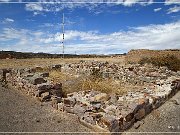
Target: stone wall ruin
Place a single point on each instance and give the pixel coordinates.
(97, 110)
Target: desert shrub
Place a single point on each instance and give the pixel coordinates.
(144, 60)
(170, 61)
(96, 74)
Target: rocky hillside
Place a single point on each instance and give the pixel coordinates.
(134, 56)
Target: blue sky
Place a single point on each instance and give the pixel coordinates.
(91, 27)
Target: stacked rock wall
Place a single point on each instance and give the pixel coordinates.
(117, 113)
(129, 74)
(34, 84)
(107, 112)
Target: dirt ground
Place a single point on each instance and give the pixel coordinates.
(22, 113)
(22, 63)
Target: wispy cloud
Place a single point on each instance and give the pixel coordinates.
(35, 7)
(133, 2)
(147, 37)
(157, 9)
(173, 9)
(91, 5)
(172, 2)
(7, 20)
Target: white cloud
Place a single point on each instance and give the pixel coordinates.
(91, 5)
(34, 7)
(147, 37)
(173, 9)
(157, 9)
(170, 2)
(133, 2)
(8, 20)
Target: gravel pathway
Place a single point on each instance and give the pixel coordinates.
(22, 113)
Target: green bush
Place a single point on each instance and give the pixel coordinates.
(170, 61)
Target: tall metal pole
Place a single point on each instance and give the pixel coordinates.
(63, 35)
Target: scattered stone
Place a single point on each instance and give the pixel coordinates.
(137, 125)
(69, 101)
(101, 97)
(140, 114)
(36, 80)
(171, 127)
(44, 74)
(174, 101)
(37, 120)
(45, 96)
(79, 110)
(58, 121)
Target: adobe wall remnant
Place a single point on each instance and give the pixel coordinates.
(102, 111)
(134, 56)
(35, 84)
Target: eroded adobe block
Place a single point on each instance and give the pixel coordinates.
(69, 101)
(44, 86)
(111, 122)
(60, 106)
(79, 110)
(140, 114)
(36, 80)
(55, 101)
(45, 96)
(3, 74)
(127, 114)
(46, 74)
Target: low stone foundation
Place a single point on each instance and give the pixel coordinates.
(99, 111)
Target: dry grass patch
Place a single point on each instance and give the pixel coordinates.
(170, 61)
(24, 63)
(103, 85)
(74, 84)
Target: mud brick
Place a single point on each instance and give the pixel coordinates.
(140, 114)
(60, 106)
(36, 80)
(68, 109)
(79, 110)
(55, 102)
(127, 124)
(70, 102)
(44, 86)
(44, 74)
(45, 96)
(111, 123)
(148, 108)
